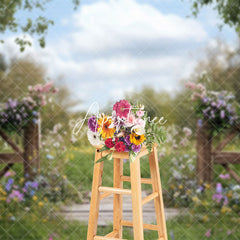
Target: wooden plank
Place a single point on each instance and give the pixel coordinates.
(31, 150)
(123, 155)
(149, 198)
(226, 157)
(104, 195)
(117, 198)
(107, 238)
(228, 138)
(145, 225)
(143, 180)
(158, 201)
(115, 190)
(7, 139)
(232, 173)
(135, 175)
(112, 234)
(95, 198)
(204, 149)
(11, 158)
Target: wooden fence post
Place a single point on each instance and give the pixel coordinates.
(204, 153)
(31, 150)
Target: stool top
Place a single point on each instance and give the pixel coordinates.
(124, 155)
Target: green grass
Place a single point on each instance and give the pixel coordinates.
(79, 170)
(183, 228)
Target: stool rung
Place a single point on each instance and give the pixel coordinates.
(112, 234)
(104, 195)
(149, 198)
(107, 238)
(145, 225)
(115, 190)
(143, 180)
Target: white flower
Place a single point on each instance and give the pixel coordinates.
(138, 129)
(93, 138)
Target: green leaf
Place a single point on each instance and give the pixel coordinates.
(132, 156)
(104, 148)
(107, 157)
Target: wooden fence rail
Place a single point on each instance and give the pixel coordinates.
(29, 156)
(207, 157)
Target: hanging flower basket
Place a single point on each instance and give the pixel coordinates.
(128, 129)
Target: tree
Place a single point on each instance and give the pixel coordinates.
(38, 26)
(229, 10)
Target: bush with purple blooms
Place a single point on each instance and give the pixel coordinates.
(219, 108)
(17, 113)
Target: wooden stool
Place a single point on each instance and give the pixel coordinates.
(99, 192)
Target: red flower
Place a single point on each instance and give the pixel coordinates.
(109, 143)
(120, 147)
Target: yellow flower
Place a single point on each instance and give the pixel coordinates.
(45, 199)
(188, 191)
(225, 209)
(205, 218)
(207, 185)
(137, 139)
(34, 198)
(64, 177)
(180, 186)
(40, 204)
(230, 194)
(104, 123)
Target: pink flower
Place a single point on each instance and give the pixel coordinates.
(140, 122)
(130, 120)
(140, 113)
(191, 85)
(47, 87)
(208, 233)
(122, 108)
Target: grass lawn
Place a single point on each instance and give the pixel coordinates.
(79, 170)
(182, 228)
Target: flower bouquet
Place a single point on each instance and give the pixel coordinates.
(126, 130)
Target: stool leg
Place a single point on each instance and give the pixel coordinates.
(95, 198)
(158, 201)
(136, 199)
(117, 198)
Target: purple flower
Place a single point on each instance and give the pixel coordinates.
(127, 140)
(9, 184)
(222, 114)
(126, 148)
(226, 176)
(92, 124)
(136, 148)
(35, 185)
(219, 188)
(11, 103)
(200, 122)
(16, 194)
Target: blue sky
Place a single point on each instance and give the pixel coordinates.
(109, 47)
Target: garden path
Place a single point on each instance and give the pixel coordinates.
(80, 211)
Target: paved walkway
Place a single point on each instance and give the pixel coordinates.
(80, 211)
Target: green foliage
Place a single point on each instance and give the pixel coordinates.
(229, 10)
(37, 26)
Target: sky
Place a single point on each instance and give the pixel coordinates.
(107, 48)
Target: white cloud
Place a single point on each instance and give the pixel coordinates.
(121, 45)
